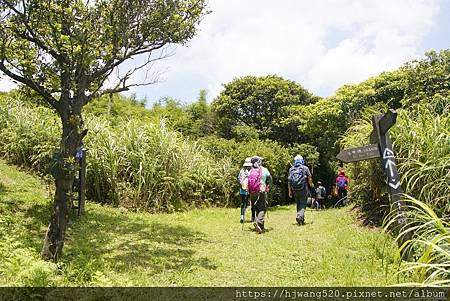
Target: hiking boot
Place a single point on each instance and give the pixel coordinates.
(300, 221)
(257, 228)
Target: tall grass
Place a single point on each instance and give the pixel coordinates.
(149, 166)
(429, 245)
(422, 141)
(134, 164)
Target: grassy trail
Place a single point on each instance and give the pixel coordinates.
(204, 247)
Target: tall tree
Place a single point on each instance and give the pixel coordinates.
(258, 103)
(66, 50)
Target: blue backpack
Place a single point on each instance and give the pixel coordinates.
(297, 177)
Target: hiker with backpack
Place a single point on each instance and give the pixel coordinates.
(243, 191)
(259, 180)
(299, 179)
(321, 193)
(342, 186)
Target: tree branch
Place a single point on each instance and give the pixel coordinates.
(30, 83)
(32, 37)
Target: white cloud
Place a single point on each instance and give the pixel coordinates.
(320, 44)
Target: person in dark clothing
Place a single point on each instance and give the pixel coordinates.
(299, 181)
(342, 186)
(321, 194)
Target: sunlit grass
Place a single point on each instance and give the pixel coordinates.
(202, 247)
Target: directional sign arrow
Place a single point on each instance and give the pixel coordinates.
(388, 153)
(395, 186)
(390, 165)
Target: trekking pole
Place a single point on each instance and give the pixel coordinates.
(340, 200)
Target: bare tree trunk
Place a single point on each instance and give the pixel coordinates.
(65, 170)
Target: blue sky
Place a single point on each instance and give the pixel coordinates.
(320, 44)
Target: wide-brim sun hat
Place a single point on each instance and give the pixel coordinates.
(247, 162)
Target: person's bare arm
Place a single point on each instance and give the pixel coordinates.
(310, 182)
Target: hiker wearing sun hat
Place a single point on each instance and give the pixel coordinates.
(243, 191)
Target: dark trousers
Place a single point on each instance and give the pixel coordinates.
(244, 204)
(342, 193)
(301, 197)
(318, 203)
(259, 204)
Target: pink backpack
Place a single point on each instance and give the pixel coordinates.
(254, 180)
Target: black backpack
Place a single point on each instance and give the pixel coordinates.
(297, 177)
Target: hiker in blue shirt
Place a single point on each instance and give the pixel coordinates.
(243, 191)
(298, 181)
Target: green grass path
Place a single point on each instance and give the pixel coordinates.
(204, 247)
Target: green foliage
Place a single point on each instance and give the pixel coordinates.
(175, 113)
(319, 124)
(116, 107)
(202, 117)
(428, 80)
(26, 138)
(149, 166)
(429, 245)
(259, 103)
(422, 140)
(193, 120)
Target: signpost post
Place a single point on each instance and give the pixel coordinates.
(382, 147)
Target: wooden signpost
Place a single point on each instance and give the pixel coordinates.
(382, 147)
(80, 185)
